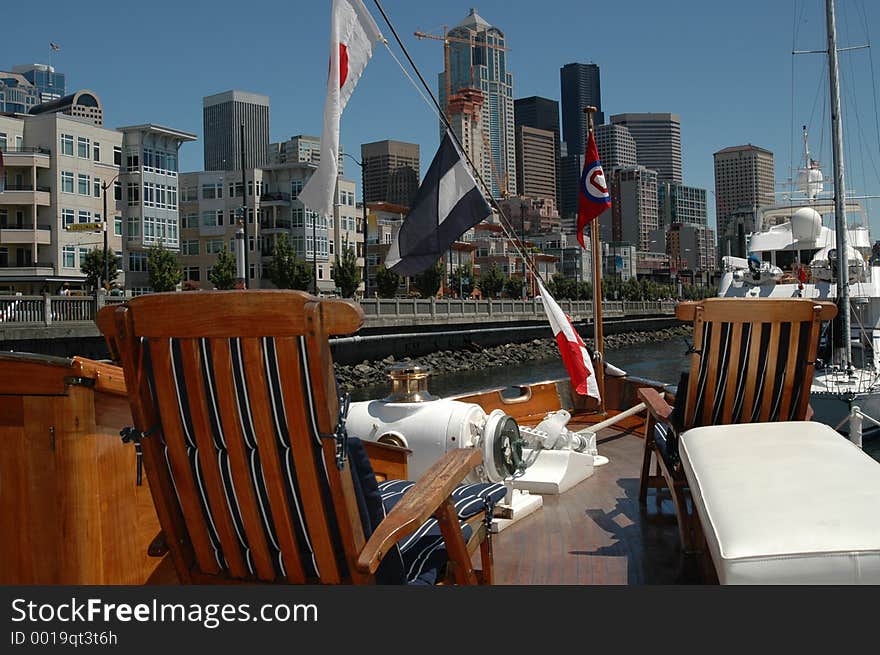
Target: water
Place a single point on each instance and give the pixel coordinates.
(662, 361)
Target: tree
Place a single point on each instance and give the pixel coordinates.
(223, 274)
(93, 266)
(286, 270)
(346, 272)
(563, 288)
(387, 282)
(428, 281)
(513, 286)
(585, 290)
(462, 280)
(491, 282)
(165, 273)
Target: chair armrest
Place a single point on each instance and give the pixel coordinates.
(389, 462)
(418, 504)
(656, 404)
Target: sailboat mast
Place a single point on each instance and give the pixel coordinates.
(840, 226)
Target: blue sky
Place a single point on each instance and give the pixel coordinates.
(725, 67)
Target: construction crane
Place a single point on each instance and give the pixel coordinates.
(471, 41)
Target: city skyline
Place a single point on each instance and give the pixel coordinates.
(730, 88)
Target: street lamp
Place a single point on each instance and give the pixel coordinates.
(104, 187)
(364, 206)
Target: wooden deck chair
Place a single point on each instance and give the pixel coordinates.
(752, 361)
(254, 479)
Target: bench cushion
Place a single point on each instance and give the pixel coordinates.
(785, 503)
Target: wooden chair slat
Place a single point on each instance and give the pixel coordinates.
(790, 369)
(145, 419)
(803, 400)
(753, 372)
(169, 410)
(690, 409)
(308, 475)
(239, 461)
(207, 454)
(733, 373)
(272, 467)
(713, 365)
(770, 375)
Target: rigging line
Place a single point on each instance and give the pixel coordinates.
(873, 77)
(518, 243)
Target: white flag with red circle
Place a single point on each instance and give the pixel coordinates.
(574, 353)
(353, 32)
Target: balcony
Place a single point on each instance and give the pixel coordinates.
(23, 272)
(25, 194)
(26, 157)
(25, 235)
(282, 224)
(274, 199)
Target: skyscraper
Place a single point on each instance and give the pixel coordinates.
(744, 181)
(679, 203)
(536, 163)
(50, 84)
(543, 114)
(634, 206)
(658, 142)
(391, 172)
(580, 86)
(617, 148)
(223, 115)
(481, 63)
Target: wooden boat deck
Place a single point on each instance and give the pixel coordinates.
(595, 533)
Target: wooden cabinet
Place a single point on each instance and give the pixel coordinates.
(70, 509)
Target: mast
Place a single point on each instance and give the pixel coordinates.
(597, 288)
(840, 226)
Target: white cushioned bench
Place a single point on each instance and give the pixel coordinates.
(785, 503)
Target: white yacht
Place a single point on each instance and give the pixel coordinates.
(794, 253)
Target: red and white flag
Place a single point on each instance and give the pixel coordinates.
(352, 35)
(574, 353)
(593, 196)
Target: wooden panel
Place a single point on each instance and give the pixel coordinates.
(108, 377)
(174, 437)
(804, 399)
(211, 478)
(238, 460)
(742, 310)
(33, 375)
(534, 400)
(272, 469)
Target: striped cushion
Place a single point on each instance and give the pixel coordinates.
(424, 552)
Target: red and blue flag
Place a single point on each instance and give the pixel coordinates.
(593, 197)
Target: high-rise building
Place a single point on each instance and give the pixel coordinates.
(634, 206)
(570, 168)
(580, 87)
(149, 184)
(678, 203)
(744, 181)
(691, 247)
(223, 114)
(617, 148)
(51, 212)
(481, 63)
(391, 172)
(543, 114)
(536, 163)
(302, 149)
(465, 112)
(658, 142)
(50, 84)
(17, 94)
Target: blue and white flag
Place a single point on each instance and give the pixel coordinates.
(448, 204)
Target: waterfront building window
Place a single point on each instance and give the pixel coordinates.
(189, 247)
(134, 228)
(148, 159)
(66, 182)
(2, 140)
(82, 147)
(193, 273)
(209, 219)
(117, 226)
(67, 144)
(83, 253)
(212, 191)
(83, 183)
(117, 156)
(296, 186)
(134, 191)
(67, 217)
(117, 190)
(68, 257)
(297, 216)
(84, 216)
(149, 194)
(213, 246)
(190, 220)
(137, 262)
(96, 187)
(96, 151)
